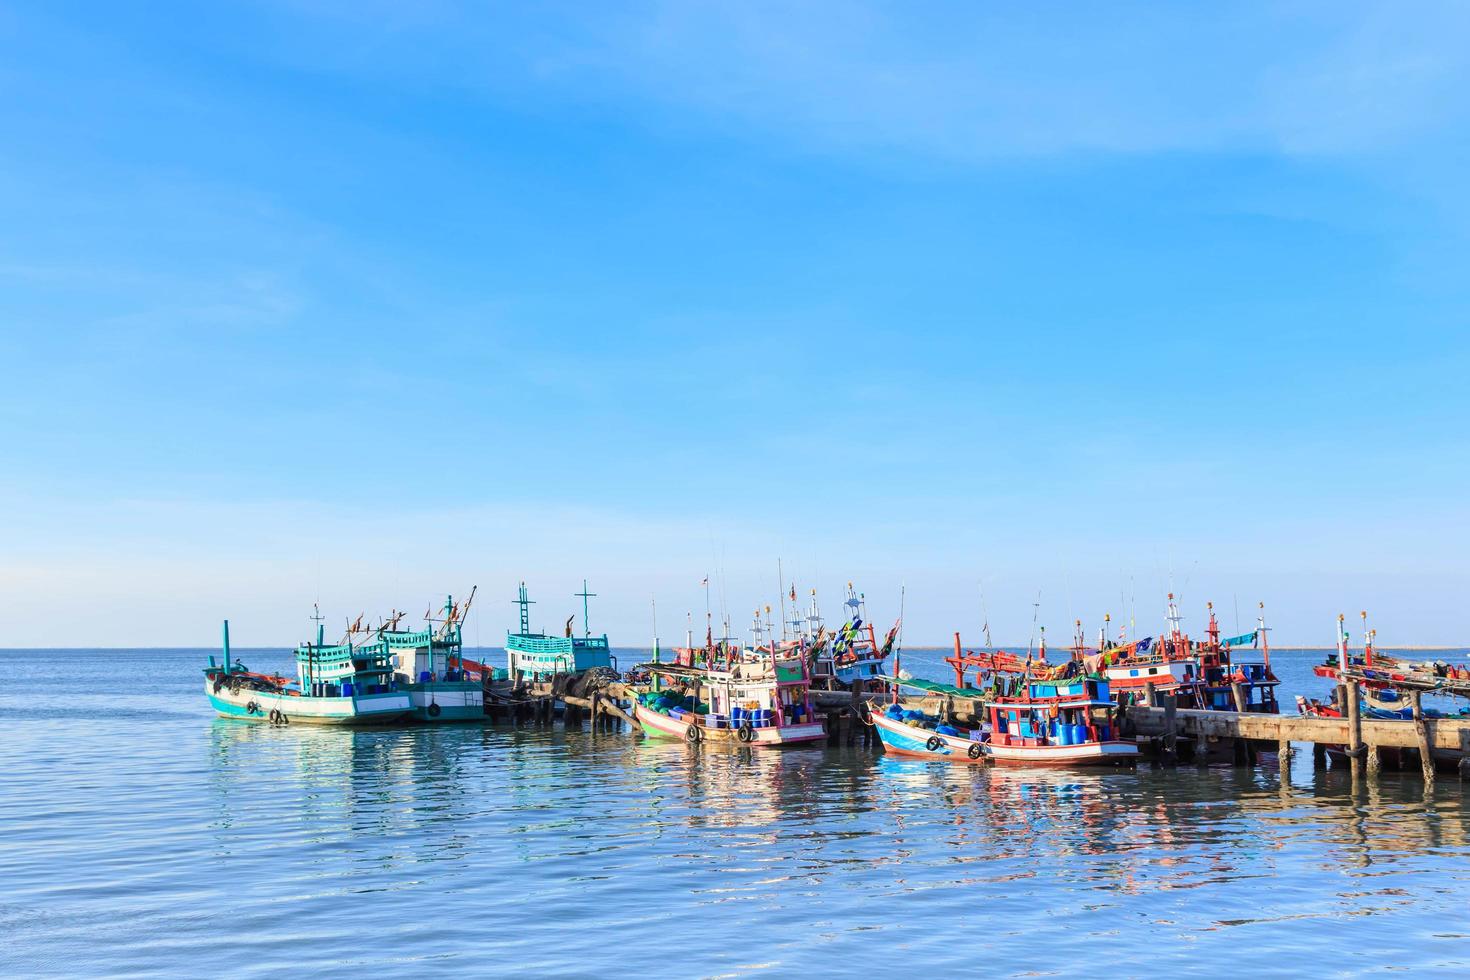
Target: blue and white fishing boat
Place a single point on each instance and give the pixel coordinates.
(1067, 722)
(344, 684)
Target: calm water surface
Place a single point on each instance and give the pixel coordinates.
(141, 835)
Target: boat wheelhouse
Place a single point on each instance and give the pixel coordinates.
(853, 656)
(1222, 670)
(429, 666)
(760, 698)
(540, 657)
(343, 684)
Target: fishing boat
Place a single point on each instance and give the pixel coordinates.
(1064, 722)
(342, 684)
(760, 698)
(1051, 723)
(1382, 682)
(539, 657)
(915, 733)
(1379, 671)
(429, 666)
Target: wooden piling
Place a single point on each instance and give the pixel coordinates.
(1237, 692)
(1171, 732)
(1421, 729)
(1355, 728)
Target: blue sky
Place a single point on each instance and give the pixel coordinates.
(363, 303)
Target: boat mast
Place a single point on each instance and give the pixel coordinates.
(1175, 635)
(586, 626)
(1265, 641)
(525, 603)
(1367, 641)
(311, 651)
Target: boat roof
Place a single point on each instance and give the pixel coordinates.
(1058, 702)
(934, 687)
(722, 676)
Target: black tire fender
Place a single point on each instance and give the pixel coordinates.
(934, 744)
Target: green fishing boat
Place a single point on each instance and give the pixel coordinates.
(539, 657)
(344, 684)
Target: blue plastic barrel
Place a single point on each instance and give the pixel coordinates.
(425, 676)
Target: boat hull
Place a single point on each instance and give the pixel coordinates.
(440, 702)
(249, 705)
(655, 725)
(904, 739)
(1114, 753)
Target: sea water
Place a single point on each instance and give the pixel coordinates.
(140, 834)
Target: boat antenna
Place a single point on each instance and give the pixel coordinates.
(464, 613)
(781, 589)
(1035, 614)
(1132, 609)
(709, 624)
(317, 617)
(898, 646)
(985, 611)
(653, 602)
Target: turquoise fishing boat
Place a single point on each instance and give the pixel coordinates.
(344, 684)
(429, 666)
(539, 657)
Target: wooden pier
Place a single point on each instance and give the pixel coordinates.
(1166, 732)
